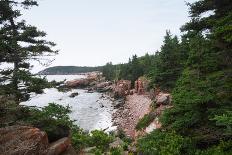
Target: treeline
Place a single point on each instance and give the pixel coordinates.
(197, 69)
(163, 68)
(68, 70)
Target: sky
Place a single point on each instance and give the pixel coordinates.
(94, 32)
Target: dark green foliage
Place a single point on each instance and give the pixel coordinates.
(224, 120)
(169, 63)
(224, 148)
(129, 71)
(163, 143)
(116, 151)
(66, 70)
(145, 121)
(80, 139)
(202, 97)
(53, 119)
(20, 44)
(100, 139)
(109, 71)
(163, 68)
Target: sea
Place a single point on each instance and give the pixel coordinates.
(91, 111)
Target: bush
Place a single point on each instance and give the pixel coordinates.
(100, 139)
(162, 143)
(145, 121)
(53, 119)
(116, 151)
(80, 139)
(224, 148)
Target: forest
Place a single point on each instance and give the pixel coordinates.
(196, 68)
(68, 70)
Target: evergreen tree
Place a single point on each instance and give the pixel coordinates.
(20, 44)
(169, 66)
(108, 71)
(202, 97)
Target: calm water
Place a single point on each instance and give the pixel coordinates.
(90, 110)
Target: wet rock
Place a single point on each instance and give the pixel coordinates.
(90, 91)
(74, 95)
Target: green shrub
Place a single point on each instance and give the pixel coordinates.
(53, 119)
(224, 148)
(97, 151)
(145, 121)
(162, 143)
(116, 151)
(80, 139)
(100, 139)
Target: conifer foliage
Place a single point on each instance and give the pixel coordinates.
(20, 43)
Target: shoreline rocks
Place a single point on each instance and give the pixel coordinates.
(74, 95)
(29, 140)
(127, 116)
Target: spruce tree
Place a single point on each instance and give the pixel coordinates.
(203, 96)
(169, 65)
(20, 44)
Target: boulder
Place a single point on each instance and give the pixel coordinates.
(59, 146)
(78, 83)
(103, 84)
(163, 99)
(17, 140)
(122, 88)
(119, 103)
(24, 140)
(74, 95)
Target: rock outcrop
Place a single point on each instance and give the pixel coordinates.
(122, 88)
(163, 99)
(17, 140)
(84, 82)
(141, 85)
(23, 140)
(58, 147)
(78, 83)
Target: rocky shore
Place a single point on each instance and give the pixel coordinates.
(127, 116)
(130, 105)
(28, 140)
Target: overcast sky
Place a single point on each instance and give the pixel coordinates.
(93, 32)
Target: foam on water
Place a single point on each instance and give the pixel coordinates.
(90, 110)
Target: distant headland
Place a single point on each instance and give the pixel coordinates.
(69, 70)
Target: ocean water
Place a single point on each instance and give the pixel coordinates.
(90, 110)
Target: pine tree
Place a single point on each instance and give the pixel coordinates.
(20, 44)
